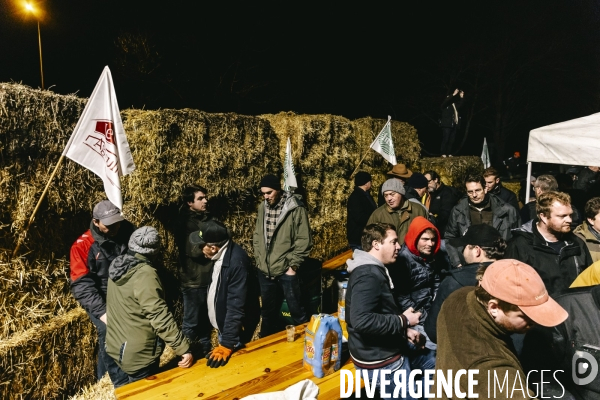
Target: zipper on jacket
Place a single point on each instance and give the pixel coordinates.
(122, 352)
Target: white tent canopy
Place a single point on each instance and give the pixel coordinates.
(573, 142)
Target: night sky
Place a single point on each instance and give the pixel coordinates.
(521, 64)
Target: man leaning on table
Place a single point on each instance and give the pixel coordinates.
(233, 305)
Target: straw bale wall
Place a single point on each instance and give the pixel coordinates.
(227, 153)
(453, 170)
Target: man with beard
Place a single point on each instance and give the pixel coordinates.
(475, 325)
(443, 199)
(548, 245)
(477, 208)
(90, 257)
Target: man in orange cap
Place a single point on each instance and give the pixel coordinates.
(475, 324)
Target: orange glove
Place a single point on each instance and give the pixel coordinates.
(218, 357)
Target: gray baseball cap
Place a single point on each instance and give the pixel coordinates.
(107, 213)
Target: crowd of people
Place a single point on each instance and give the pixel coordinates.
(449, 282)
(437, 279)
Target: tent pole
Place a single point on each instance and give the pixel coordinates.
(528, 183)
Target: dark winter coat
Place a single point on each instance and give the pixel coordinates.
(442, 201)
(237, 306)
(579, 330)
(585, 179)
(506, 195)
(505, 218)
(195, 272)
(89, 280)
(376, 329)
(557, 271)
(448, 117)
(360, 207)
(456, 279)
(419, 277)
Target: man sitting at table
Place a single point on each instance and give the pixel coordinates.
(378, 332)
(233, 305)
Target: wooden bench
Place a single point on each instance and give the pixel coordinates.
(266, 365)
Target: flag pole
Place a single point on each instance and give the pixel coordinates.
(21, 237)
(360, 162)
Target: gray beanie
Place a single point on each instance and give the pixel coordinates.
(394, 185)
(145, 241)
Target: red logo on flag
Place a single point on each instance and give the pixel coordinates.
(102, 142)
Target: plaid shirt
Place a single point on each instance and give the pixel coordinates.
(272, 215)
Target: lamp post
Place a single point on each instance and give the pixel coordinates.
(31, 9)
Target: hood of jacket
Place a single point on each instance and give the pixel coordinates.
(123, 264)
(415, 230)
(360, 258)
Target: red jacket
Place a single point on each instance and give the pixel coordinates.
(79, 255)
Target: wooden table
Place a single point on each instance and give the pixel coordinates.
(337, 261)
(266, 365)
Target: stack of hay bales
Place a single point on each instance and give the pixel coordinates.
(46, 341)
(453, 170)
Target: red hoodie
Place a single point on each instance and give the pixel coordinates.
(415, 230)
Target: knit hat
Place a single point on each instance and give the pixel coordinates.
(394, 185)
(519, 284)
(400, 171)
(362, 178)
(417, 181)
(270, 181)
(107, 213)
(145, 241)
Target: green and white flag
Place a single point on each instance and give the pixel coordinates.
(289, 176)
(383, 143)
(485, 155)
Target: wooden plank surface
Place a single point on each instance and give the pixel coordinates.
(337, 261)
(265, 365)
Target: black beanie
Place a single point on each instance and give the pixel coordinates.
(270, 181)
(362, 178)
(417, 181)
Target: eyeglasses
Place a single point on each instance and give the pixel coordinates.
(474, 192)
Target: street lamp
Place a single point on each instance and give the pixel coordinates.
(32, 10)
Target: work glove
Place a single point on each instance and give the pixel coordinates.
(218, 357)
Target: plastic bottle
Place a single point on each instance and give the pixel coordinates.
(342, 307)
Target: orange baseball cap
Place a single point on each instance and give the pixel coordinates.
(519, 284)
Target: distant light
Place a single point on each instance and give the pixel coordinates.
(29, 7)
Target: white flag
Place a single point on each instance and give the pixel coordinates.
(98, 141)
(289, 176)
(485, 155)
(383, 143)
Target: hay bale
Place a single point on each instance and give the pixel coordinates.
(49, 361)
(453, 170)
(514, 187)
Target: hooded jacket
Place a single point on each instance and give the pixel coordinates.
(419, 277)
(139, 321)
(505, 218)
(195, 272)
(591, 241)
(91, 256)
(400, 218)
(376, 328)
(557, 271)
(291, 242)
(456, 279)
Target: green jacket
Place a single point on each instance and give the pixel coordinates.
(591, 241)
(138, 320)
(291, 242)
(401, 218)
(468, 338)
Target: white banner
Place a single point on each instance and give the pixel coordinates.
(289, 175)
(485, 155)
(98, 141)
(383, 143)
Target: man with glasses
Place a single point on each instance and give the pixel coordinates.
(282, 242)
(443, 199)
(477, 208)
